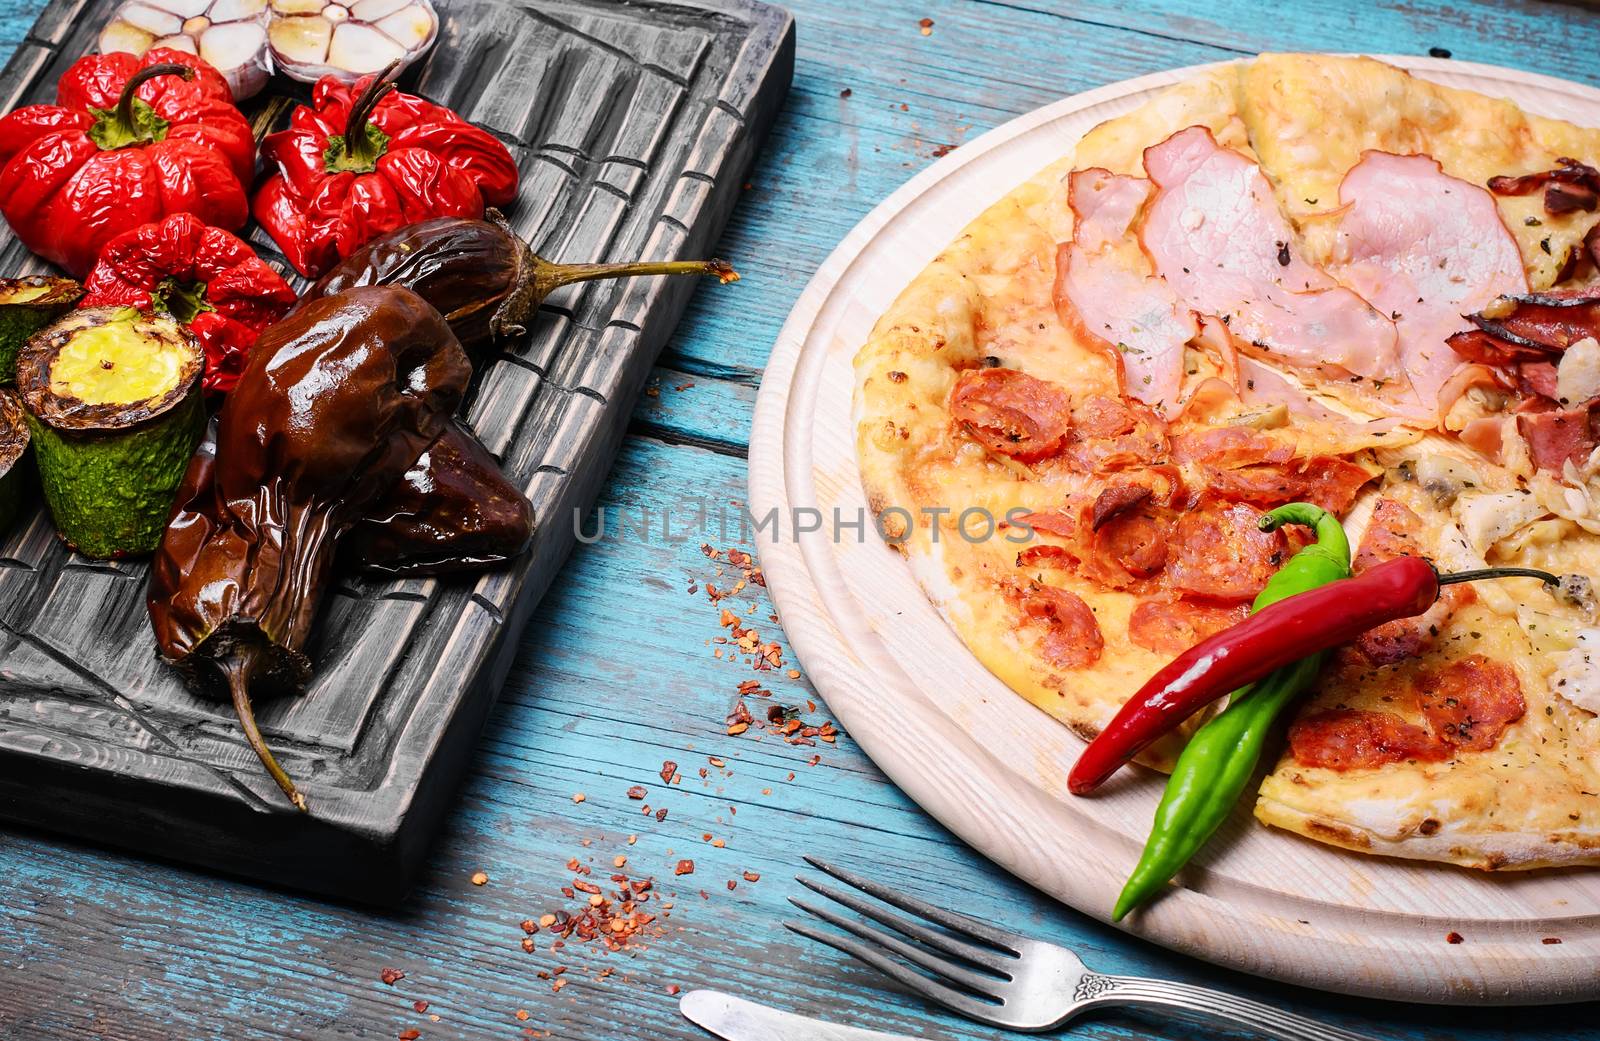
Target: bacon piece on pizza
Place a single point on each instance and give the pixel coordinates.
(1556, 436)
(1011, 412)
(1216, 234)
(1106, 292)
(1393, 532)
(1424, 248)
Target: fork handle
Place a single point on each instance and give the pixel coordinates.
(1213, 1005)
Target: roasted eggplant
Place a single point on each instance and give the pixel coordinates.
(485, 279)
(452, 511)
(337, 403)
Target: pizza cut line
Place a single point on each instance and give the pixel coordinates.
(1297, 277)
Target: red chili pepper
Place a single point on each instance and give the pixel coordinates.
(1278, 635)
(128, 141)
(364, 160)
(206, 278)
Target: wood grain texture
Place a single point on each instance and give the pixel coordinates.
(992, 767)
(613, 673)
(634, 134)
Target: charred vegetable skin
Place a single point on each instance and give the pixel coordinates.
(113, 402)
(485, 279)
(337, 403)
(13, 446)
(1219, 760)
(26, 306)
(452, 511)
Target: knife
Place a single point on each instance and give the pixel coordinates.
(736, 1019)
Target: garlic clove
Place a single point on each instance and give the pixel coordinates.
(372, 10)
(121, 36)
(157, 23)
(178, 43)
(409, 27)
(362, 49)
(302, 40)
(229, 34)
(236, 10)
(239, 51)
(184, 8)
(356, 38)
(293, 7)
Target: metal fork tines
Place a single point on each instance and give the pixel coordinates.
(1007, 980)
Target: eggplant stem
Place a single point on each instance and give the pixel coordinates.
(565, 274)
(1499, 572)
(237, 670)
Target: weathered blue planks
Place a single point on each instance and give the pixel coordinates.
(615, 674)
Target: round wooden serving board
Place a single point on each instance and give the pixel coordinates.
(992, 768)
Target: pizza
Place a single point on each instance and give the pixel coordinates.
(1297, 277)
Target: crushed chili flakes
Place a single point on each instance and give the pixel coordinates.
(480, 878)
(684, 867)
(673, 988)
(926, 26)
(522, 1015)
(638, 791)
(1453, 938)
(410, 1034)
(391, 976)
(751, 876)
(420, 1005)
(669, 770)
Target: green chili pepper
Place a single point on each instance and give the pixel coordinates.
(1221, 758)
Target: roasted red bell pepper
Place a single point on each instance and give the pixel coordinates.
(364, 160)
(206, 278)
(128, 141)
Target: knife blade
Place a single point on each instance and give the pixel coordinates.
(736, 1019)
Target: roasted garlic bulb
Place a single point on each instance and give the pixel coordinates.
(310, 39)
(231, 35)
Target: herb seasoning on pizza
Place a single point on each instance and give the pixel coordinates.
(1297, 278)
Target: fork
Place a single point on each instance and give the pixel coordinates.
(1009, 981)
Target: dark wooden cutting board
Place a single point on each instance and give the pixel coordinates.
(634, 126)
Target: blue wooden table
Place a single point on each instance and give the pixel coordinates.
(624, 667)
